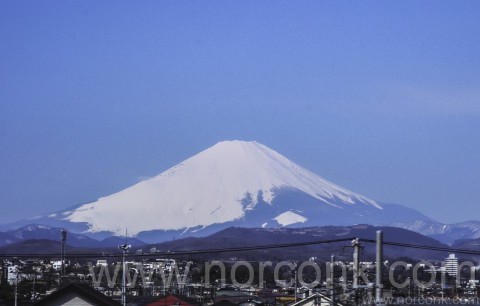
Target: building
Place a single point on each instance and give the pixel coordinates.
(102, 263)
(76, 295)
(173, 300)
(57, 265)
(316, 299)
(451, 265)
(12, 274)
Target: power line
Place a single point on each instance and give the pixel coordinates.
(245, 248)
(190, 252)
(425, 247)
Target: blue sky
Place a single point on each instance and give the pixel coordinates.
(381, 97)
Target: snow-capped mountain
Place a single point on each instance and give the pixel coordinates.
(233, 183)
(447, 233)
(215, 186)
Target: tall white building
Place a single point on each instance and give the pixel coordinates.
(451, 265)
(12, 274)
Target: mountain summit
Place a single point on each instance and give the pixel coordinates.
(217, 185)
(233, 183)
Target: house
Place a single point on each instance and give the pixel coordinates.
(173, 300)
(316, 299)
(102, 263)
(77, 295)
(224, 303)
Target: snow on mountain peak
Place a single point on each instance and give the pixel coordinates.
(217, 185)
(289, 217)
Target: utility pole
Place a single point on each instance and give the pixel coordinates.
(356, 261)
(34, 294)
(124, 248)
(356, 264)
(62, 253)
(332, 280)
(379, 263)
(296, 278)
(16, 286)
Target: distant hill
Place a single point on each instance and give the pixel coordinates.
(41, 246)
(7, 238)
(247, 237)
(42, 232)
(467, 244)
(52, 248)
(447, 233)
(239, 237)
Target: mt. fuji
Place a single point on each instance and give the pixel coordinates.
(233, 183)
